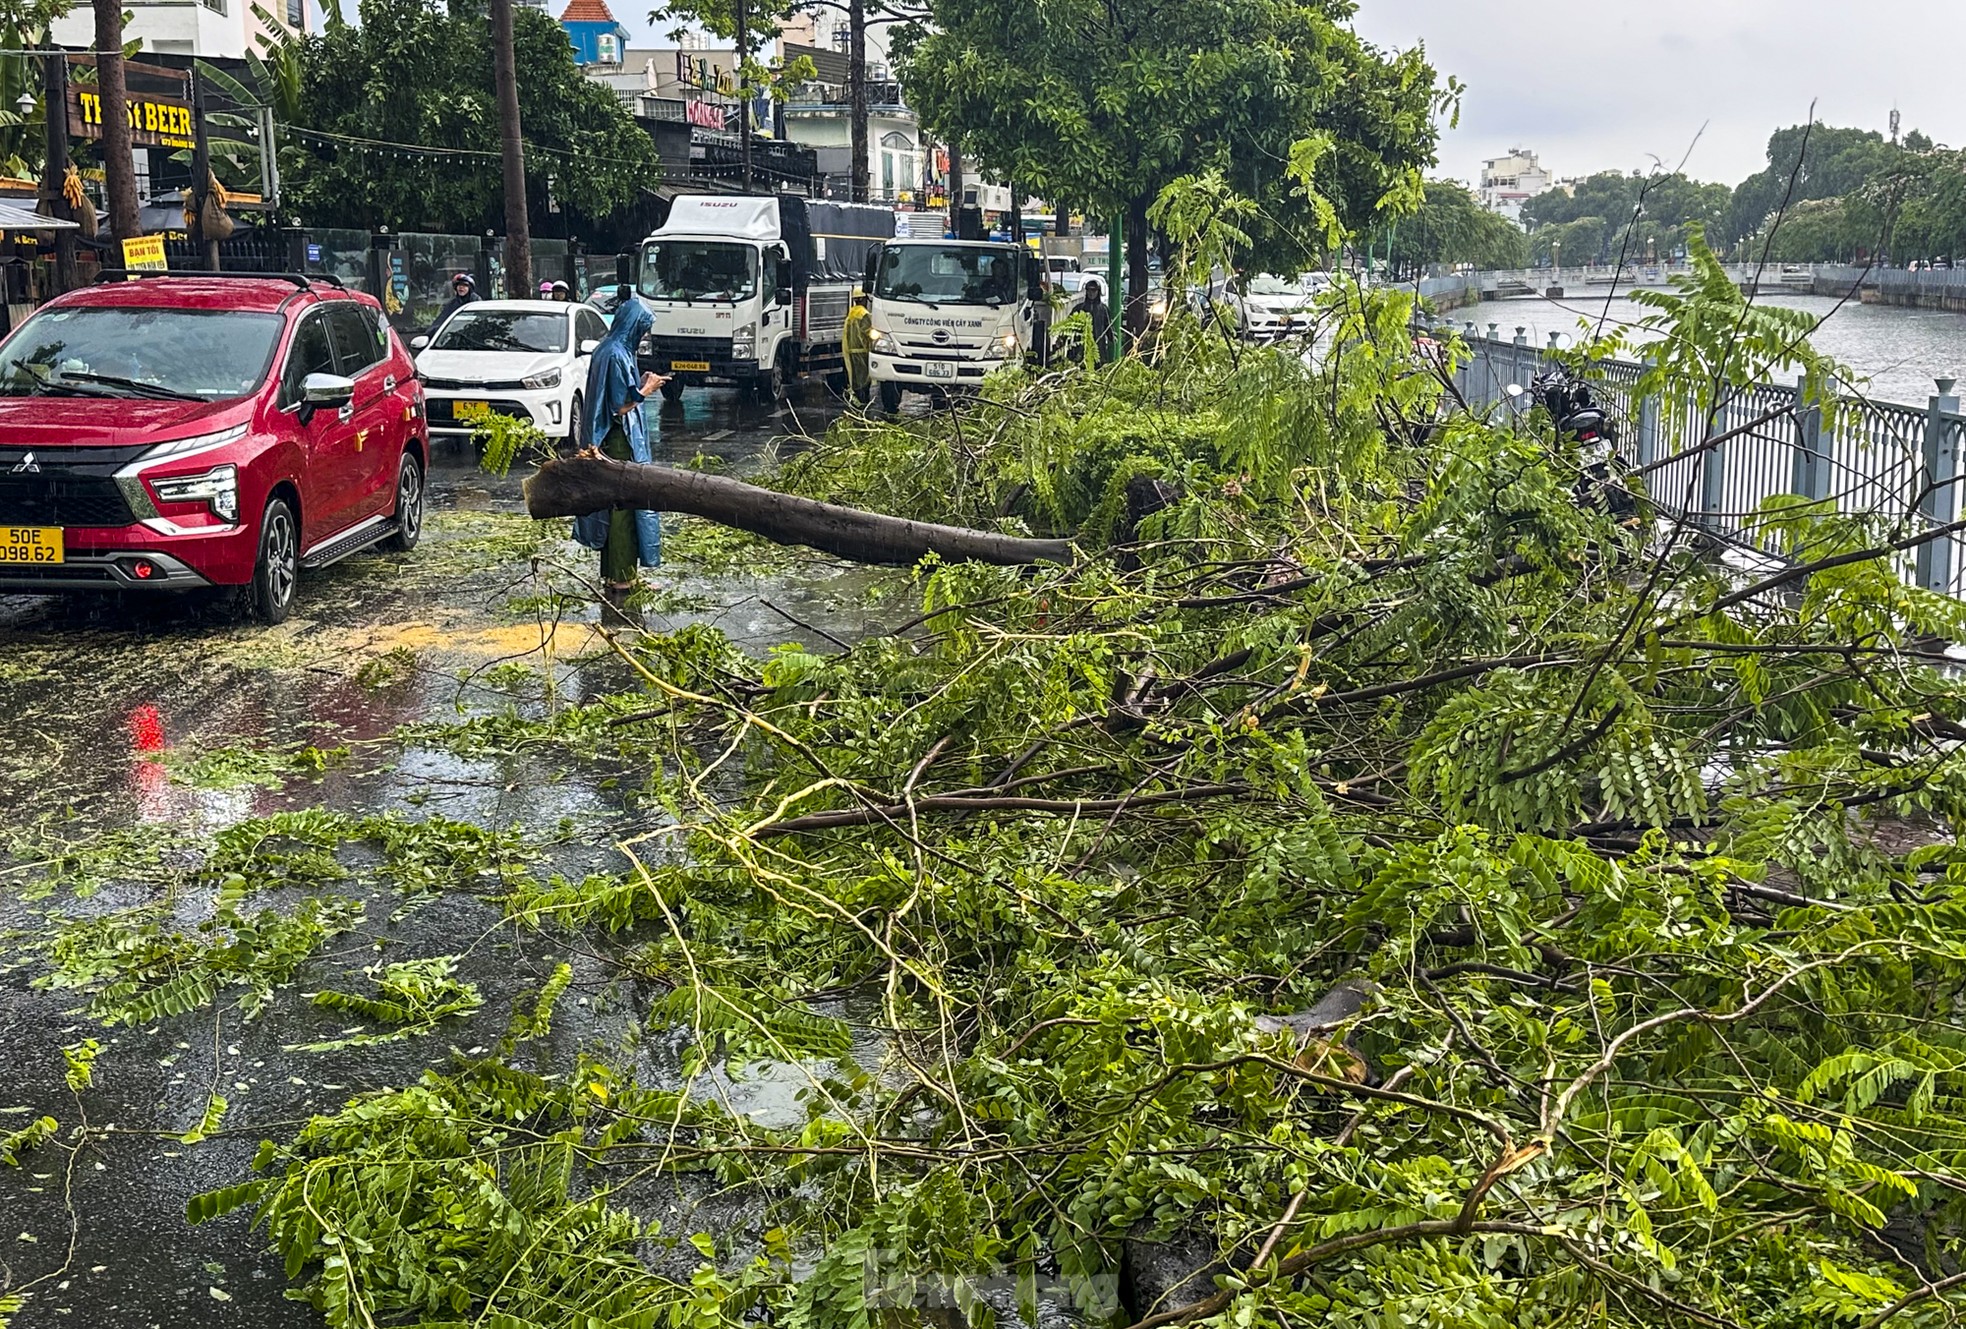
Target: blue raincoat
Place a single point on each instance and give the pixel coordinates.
(614, 379)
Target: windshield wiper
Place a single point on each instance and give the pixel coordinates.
(152, 390)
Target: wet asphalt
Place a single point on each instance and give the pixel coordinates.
(142, 723)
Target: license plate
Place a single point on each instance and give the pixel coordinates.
(941, 369)
(470, 410)
(700, 366)
(30, 544)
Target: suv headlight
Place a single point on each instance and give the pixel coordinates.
(549, 379)
(178, 447)
(217, 488)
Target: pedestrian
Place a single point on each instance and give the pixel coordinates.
(562, 293)
(464, 291)
(857, 343)
(615, 391)
(1095, 308)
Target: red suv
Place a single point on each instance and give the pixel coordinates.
(182, 432)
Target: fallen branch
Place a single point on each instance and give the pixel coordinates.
(579, 485)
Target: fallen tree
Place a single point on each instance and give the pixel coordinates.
(579, 485)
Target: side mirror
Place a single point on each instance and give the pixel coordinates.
(328, 392)
(785, 295)
(419, 341)
(589, 346)
(784, 281)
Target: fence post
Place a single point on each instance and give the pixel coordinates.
(1811, 472)
(1648, 423)
(1941, 475)
(1713, 474)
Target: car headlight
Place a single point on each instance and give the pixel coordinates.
(217, 488)
(882, 344)
(179, 447)
(549, 379)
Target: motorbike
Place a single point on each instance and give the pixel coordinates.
(1583, 422)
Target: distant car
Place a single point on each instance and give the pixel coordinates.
(526, 359)
(1267, 309)
(604, 301)
(190, 432)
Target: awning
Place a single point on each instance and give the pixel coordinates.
(14, 218)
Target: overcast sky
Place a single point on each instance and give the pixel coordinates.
(1596, 85)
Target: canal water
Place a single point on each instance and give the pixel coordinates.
(1901, 351)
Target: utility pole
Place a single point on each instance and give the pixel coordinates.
(118, 163)
(743, 95)
(512, 152)
(54, 85)
(856, 94)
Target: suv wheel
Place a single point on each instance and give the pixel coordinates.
(409, 504)
(276, 575)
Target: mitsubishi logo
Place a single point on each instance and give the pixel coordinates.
(940, 337)
(27, 465)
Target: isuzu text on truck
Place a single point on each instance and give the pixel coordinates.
(753, 291)
(947, 312)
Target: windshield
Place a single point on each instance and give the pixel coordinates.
(698, 270)
(502, 330)
(954, 276)
(107, 351)
(1268, 285)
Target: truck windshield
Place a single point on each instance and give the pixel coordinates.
(698, 270)
(952, 276)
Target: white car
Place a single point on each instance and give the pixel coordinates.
(1269, 308)
(522, 358)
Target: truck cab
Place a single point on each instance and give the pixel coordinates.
(752, 291)
(944, 313)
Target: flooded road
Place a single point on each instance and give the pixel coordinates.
(136, 734)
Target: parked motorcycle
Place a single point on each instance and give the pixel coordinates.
(1582, 422)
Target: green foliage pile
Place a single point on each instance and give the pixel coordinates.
(1647, 883)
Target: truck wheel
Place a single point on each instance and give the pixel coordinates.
(770, 385)
(672, 391)
(891, 398)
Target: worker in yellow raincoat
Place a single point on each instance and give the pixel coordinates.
(857, 342)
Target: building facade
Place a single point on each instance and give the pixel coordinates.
(211, 29)
(599, 42)
(1509, 182)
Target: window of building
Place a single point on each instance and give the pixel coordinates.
(609, 50)
(297, 14)
(216, 6)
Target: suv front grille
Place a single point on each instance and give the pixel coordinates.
(62, 500)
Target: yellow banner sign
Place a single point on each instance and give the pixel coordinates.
(144, 253)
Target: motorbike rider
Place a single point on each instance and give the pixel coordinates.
(464, 291)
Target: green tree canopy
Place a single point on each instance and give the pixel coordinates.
(414, 73)
(1451, 226)
(1638, 216)
(1102, 106)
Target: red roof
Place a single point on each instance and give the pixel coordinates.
(588, 11)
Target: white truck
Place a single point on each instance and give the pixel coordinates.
(752, 291)
(944, 313)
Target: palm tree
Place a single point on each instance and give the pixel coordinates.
(518, 237)
(118, 165)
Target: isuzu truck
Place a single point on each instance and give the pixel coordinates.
(945, 313)
(752, 291)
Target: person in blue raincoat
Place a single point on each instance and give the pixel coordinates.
(615, 391)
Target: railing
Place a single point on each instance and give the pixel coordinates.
(1899, 466)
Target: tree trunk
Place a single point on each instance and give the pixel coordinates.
(54, 99)
(581, 485)
(955, 191)
(118, 163)
(856, 95)
(1136, 266)
(743, 96)
(518, 234)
